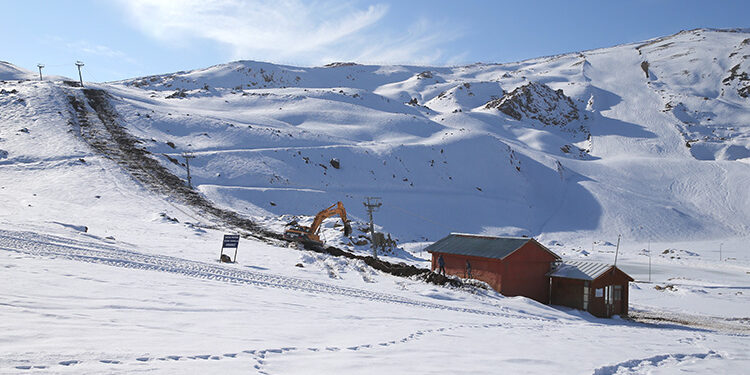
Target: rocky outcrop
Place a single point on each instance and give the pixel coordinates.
(537, 101)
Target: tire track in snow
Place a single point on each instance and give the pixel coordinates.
(58, 247)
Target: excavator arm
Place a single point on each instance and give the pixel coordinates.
(310, 234)
(336, 209)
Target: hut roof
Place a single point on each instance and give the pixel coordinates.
(480, 246)
(583, 270)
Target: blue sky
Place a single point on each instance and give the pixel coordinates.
(121, 39)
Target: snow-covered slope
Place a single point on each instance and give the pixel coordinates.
(562, 146)
(108, 266)
(9, 71)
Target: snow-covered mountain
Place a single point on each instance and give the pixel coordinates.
(653, 135)
(108, 257)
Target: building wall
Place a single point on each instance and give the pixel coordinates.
(524, 272)
(568, 292)
(597, 306)
(484, 269)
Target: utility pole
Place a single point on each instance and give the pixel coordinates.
(187, 157)
(649, 260)
(40, 70)
(649, 254)
(720, 246)
(79, 64)
(617, 250)
(372, 204)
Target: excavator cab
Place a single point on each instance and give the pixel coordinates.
(305, 234)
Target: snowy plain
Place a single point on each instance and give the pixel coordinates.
(100, 274)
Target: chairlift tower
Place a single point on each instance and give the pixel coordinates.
(40, 70)
(372, 204)
(79, 64)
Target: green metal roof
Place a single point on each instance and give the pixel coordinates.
(479, 246)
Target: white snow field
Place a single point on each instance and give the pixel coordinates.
(107, 265)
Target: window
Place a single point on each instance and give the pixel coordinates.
(618, 292)
(599, 293)
(585, 295)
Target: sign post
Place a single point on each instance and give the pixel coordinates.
(230, 241)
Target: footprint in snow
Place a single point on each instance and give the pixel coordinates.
(68, 363)
(142, 359)
(28, 367)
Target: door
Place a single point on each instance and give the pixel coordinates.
(617, 299)
(609, 300)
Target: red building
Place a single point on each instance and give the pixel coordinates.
(511, 265)
(599, 288)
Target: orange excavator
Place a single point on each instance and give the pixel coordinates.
(309, 235)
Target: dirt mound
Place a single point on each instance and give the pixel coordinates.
(396, 269)
(108, 137)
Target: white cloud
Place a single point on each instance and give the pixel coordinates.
(84, 49)
(282, 30)
(95, 49)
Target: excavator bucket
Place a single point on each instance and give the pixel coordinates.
(347, 229)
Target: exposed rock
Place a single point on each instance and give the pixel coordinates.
(741, 77)
(339, 64)
(537, 101)
(179, 93)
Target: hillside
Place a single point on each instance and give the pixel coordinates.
(109, 258)
(583, 144)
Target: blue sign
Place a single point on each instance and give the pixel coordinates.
(231, 240)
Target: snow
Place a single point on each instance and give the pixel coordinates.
(102, 273)
(9, 71)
